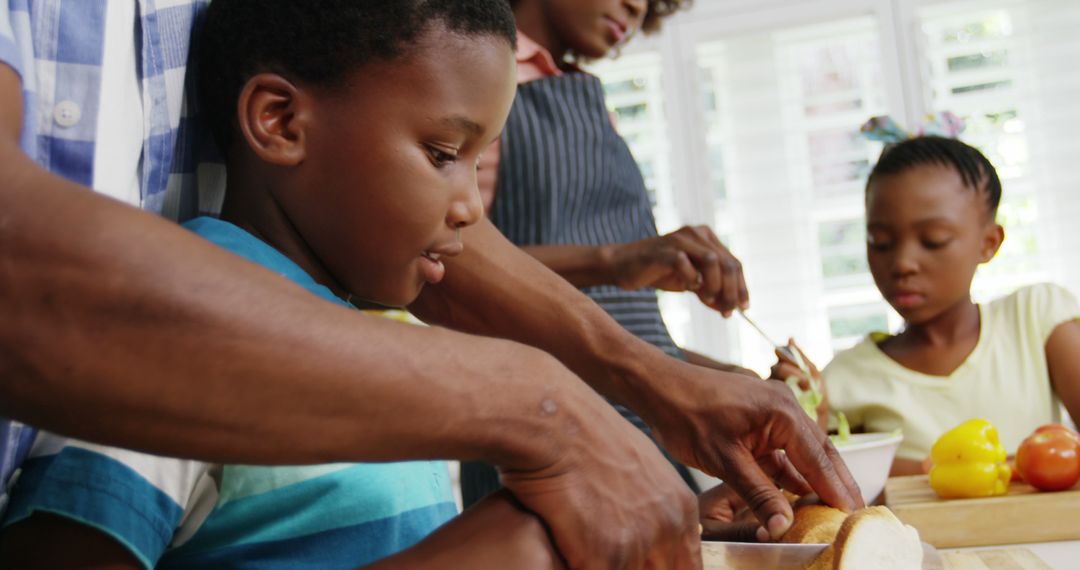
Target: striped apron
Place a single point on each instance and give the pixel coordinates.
(567, 178)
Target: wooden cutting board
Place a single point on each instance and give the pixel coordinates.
(1023, 516)
(1012, 558)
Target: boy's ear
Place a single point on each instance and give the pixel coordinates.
(995, 235)
(272, 117)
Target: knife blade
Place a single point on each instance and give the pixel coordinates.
(747, 556)
(751, 556)
(783, 348)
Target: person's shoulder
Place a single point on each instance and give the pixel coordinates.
(1038, 293)
(1043, 301)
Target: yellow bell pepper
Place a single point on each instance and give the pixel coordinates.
(969, 461)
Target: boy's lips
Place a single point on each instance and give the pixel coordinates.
(431, 265)
(431, 269)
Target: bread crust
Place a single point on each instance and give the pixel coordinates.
(815, 524)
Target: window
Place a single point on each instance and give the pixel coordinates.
(781, 111)
(843, 253)
(632, 85)
(975, 58)
(849, 324)
(764, 102)
(634, 91)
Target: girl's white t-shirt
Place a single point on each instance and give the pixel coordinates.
(1005, 379)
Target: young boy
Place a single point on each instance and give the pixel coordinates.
(352, 183)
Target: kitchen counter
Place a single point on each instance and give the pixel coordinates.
(1058, 555)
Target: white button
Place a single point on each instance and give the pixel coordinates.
(67, 113)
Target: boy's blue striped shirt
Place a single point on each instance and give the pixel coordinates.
(185, 514)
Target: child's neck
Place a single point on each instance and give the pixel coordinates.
(959, 322)
(939, 346)
(254, 211)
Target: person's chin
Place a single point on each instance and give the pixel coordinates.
(595, 48)
(915, 315)
(399, 298)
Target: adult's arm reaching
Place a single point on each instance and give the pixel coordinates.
(724, 424)
(688, 259)
(120, 327)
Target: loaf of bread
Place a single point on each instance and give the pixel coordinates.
(869, 538)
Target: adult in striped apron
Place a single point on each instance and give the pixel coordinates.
(567, 178)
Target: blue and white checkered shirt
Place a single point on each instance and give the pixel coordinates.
(57, 48)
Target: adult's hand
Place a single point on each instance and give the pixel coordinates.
(732, 427)
(611, 500)
(689, 259)
(725, 515)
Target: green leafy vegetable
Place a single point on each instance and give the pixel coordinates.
(843, 430)
(810, 399)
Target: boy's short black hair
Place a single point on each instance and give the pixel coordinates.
(320, 42)
(974, 168)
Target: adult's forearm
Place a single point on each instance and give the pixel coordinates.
(121, 327)
(494, 289)
(581, 265)
(698, 359)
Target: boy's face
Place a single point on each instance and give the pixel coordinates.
(389, 174)
(591, 28)
(927, 233)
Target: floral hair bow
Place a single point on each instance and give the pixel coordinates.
(885, 129)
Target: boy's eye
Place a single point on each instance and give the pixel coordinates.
(935, 244)
(441, 158)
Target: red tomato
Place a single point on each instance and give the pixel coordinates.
(1016, 476)
(1061, 428)
(1048, 460)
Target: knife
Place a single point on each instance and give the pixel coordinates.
(784, 349)
(752, 556)
(747, 555)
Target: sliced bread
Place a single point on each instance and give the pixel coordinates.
(874, 538)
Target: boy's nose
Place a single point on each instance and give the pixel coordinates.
(468, 208)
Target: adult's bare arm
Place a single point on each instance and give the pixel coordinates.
(688, 259)
(725, 424)
(699, 359)
(121, 327)
(494, 533)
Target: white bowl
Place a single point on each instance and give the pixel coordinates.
(869, 456)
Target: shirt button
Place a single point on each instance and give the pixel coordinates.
(67, 114)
